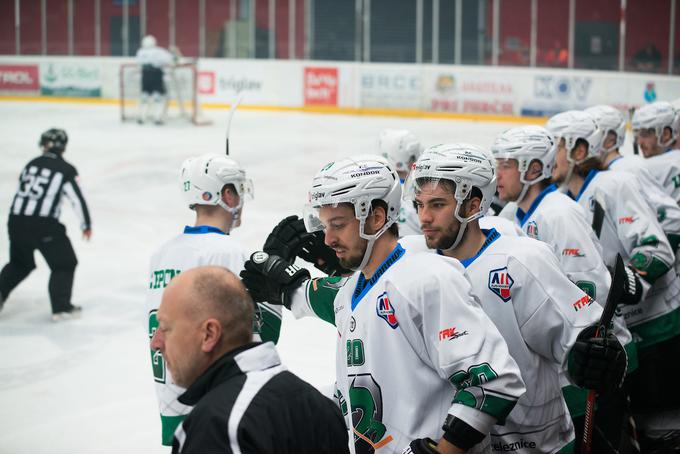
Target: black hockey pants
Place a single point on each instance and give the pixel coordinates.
(26, 234)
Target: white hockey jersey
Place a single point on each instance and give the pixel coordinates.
(411, 343)
(502, 225)
(408, 221)
(666, 208)
(630, 229)
(666, 169)
(197, 246)
(154, 56)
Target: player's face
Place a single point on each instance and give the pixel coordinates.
(436, 207)
(342, 234)
(508, 178)
(610, 140)
(647, 142)
(559, 173)
(178, 339)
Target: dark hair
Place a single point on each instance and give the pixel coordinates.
(584, 168)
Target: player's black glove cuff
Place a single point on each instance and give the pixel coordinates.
(269, 278)
(421, 446)
(290, 239)
(632, 287)
(597, 363)
(461, 434)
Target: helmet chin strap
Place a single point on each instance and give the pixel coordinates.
(234, 211)
(463, 225)
(371, 242)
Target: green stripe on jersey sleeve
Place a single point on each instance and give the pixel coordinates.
(321, 295)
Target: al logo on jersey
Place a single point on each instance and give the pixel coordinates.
(500, 283)
(385, 310)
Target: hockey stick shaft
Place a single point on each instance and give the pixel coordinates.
(230, 116)
(615, 293)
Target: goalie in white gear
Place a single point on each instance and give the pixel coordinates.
(525, 157)
(651, 304)
(153, 59)
(415, 350)
(214, 186)
(402, 147)
(655, 127)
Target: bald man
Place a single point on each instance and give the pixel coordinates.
(244, 399)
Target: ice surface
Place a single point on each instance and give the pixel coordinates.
(85, 386)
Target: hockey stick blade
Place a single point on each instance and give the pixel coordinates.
(230, 116)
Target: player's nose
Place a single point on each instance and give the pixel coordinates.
(157, 340)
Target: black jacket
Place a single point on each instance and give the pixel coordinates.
(247, 401)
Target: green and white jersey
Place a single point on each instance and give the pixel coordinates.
(414, 346)
(666, 170)
(408, 221)
(630, 228)
(197, 246)
(666, 208)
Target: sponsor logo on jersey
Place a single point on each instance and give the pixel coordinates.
(585, 301)
(532, 230)
(572, 252)
(521, 444)
(627, 220)
(500, 283)
(451, 334)
(352, 324)
(385, 310)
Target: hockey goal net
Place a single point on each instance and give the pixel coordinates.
(181, 84)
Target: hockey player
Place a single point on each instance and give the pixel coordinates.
(525, 157)
(153, 59)
(402, 148)
(629, 227)
(214, 186)
(414, 350)
(655, 127)
(613, 124)
(34, 224)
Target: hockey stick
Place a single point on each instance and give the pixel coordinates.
(615, 294)
(232, 109)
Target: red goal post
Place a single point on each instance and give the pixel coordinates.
(181, 83)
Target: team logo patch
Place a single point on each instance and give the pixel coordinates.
(532, 230)
(206, 196)
(385, 310)
(500, 283)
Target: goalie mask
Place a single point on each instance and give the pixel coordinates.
(203, 178)
(466, 166)
(399, 145)
(657, 116)
(526, 144)
(358, 180)
(609, 119)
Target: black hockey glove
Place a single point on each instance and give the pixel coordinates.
(597, 363)
(290, 239)
(421, 446)
(269, 278)
(632, 287)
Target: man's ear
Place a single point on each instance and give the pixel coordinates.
(666, 135)
(471, 206)
(377, 218)
(230, 197)
(580, 152)
(212, 335)
(535, 170)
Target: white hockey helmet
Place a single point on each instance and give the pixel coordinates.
(148, 41)
(466, 166)
(657, 116)
(526, 144)
(573, 125)
(609, 119)
(203, 178)
(357, 180)
(399, 145)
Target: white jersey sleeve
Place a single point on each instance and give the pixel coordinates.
(154, 56)
(666, 170)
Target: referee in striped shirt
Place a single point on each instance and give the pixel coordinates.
(34, 224)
